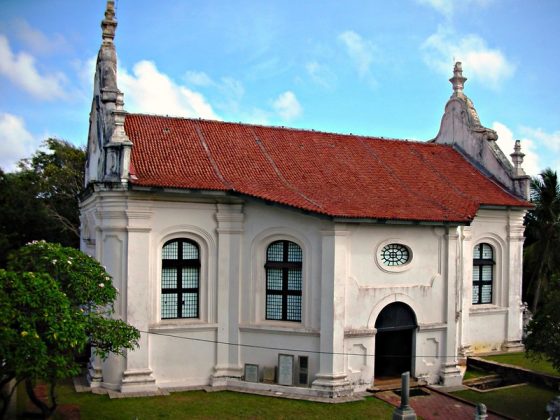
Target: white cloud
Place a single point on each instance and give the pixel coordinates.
(256, 116)
(449, 7)
(320, 74)
(198, 78)
(548, 144)
(445, 7)
(361, 51)
(287, 106)
(506, 141)
(231, 87)
(37, 41)
(231, 90)
(15, 141)
(150, 91)
(488, 66)
(549, 140)
(21, 70)
(85, 70)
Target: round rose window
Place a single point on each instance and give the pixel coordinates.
(394, 255)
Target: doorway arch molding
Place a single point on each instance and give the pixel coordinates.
(392, 298)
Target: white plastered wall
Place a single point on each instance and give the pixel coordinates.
(131, 228)
(496, 326)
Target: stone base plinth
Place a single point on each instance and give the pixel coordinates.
(451, 376)
(223, 373)
(406, 413)
(513, 346)
(138, 380)
(94, 375)
(332, 386)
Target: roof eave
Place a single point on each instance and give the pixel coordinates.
(223, 194)
(410, 222)
(524, 206)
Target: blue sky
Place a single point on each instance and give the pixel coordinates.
(378, 68)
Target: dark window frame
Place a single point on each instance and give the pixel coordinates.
(180, 264)
(285, 266)
(478, 265)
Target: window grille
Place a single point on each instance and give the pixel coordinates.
(483, 274)
(394, 255)
(180, 279)
(283, 281)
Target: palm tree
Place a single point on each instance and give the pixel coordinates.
(542, 250)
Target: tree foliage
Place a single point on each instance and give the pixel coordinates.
(542, 247)
(543, 331)
(40, 200)
(54, 301)
(38, 334)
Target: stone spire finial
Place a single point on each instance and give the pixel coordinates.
(458, 81)
(517, 159)
(109, 24)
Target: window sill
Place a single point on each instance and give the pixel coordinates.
(182, 325)
(296, 329)
(487, 309)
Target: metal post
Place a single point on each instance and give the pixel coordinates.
(405, 389)
(405, 411)
(480, 413)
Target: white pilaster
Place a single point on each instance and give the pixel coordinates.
(515, 238)
(450, 373)
(229, 219)
(465, 286)
(332, 373)
(137, 376)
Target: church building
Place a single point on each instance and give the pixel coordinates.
(295, 260)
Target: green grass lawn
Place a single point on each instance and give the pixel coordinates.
(473, 372)
(222, 405)
(520, 359)
(522, 402)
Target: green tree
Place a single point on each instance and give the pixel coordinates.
(88, 294)
(40, 199)
(23, 217)
(543, 331)
(542, 250)
(38, 333)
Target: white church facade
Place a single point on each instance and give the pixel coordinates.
(252, 256)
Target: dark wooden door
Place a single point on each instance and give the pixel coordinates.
(393, 352)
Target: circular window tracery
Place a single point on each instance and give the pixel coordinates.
(395, 255)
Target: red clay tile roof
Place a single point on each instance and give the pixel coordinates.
(332, 174)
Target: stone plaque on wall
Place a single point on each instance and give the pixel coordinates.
(285, 369)
(251, 372)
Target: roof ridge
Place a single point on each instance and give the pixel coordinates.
(427, 143)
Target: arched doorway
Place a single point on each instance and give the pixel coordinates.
(394, 340)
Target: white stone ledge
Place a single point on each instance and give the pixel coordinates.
(181, 327)
(432, 327)
(274, 329)
(359, 333)
(487, 309)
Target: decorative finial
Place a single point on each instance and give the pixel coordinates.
(458, 81)
(517, 158)
(109, 24)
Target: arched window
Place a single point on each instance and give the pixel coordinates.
(283, 281)
(180, 279)
(483, 274)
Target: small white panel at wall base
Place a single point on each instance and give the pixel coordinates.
(285, 369)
